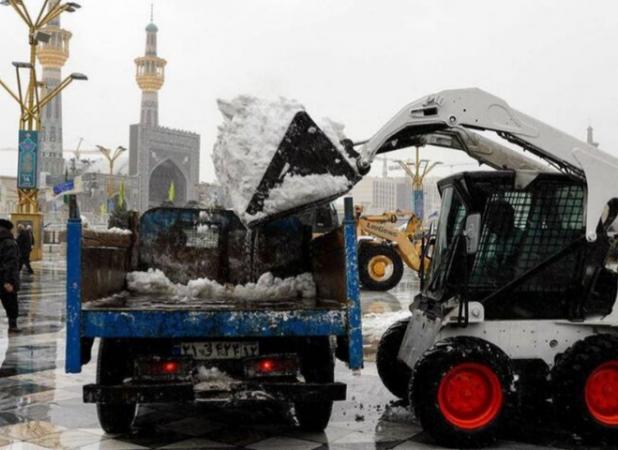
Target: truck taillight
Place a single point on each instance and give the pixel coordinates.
(170, 367)
(159, 368)
(272, 366)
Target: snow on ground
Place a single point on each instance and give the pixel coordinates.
(374, 325)
(212, 378)
(268, 286)
(247, 141)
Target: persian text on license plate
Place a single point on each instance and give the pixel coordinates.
(219, 349)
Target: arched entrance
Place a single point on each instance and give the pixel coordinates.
(160, 180)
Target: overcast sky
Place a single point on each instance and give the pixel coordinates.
(355, 61)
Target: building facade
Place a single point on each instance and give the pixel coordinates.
(391, 194)
(8, 195)
(165, 161)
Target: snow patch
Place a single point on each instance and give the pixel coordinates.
(152, 281)
(117, 230)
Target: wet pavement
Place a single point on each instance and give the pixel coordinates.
(41, 406)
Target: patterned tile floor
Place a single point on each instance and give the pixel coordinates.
(41, 406)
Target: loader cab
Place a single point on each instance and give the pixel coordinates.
(529, 258)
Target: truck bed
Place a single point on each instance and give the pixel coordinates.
(177, 242)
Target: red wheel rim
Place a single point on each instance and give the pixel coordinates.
(470, 395)
(601, 393)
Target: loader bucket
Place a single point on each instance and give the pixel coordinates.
(306, 170)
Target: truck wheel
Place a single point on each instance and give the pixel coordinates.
(379, 267)
(317, 366)
(585, 387)
(395, 375)
(113, 366)
(462, 390)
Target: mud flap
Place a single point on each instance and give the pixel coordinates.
(420, 335)
(304, 150)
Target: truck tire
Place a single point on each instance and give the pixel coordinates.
(380, 268)
(317, 366)
(585, 387)
(395, 375)
(463, 392)
(113, 366)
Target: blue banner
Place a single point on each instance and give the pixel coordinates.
(64, 187)
(27, 161)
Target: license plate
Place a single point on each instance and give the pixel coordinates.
(219, 349)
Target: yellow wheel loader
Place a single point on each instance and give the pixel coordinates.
(381, 258)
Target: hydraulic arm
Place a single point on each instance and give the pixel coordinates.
(448, 118)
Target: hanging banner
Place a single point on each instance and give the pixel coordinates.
(27, 161)
(74, 186)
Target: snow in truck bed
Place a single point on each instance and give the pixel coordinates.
(152, 290)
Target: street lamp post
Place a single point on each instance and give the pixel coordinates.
(111, 159)
(31, 102)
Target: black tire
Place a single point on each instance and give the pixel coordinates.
(317, 366)
(395, 374)
(430, 396)
(366, 253)
(113, 366)
(570, 377)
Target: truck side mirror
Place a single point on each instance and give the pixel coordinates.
(472, 233)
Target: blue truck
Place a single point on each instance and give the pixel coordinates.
(155, 348)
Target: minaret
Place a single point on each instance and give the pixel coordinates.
(150, 77)
(52, 56)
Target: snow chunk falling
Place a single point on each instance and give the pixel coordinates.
(268, 286)
(248, 139)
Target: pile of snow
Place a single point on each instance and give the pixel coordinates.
(268, 286)
(247, 141)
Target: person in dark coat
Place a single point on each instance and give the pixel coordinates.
(9, 273)
(24, 243)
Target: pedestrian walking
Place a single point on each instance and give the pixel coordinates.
(9, 273)
(25, 241)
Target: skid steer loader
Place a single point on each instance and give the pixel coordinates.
(517, 297)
